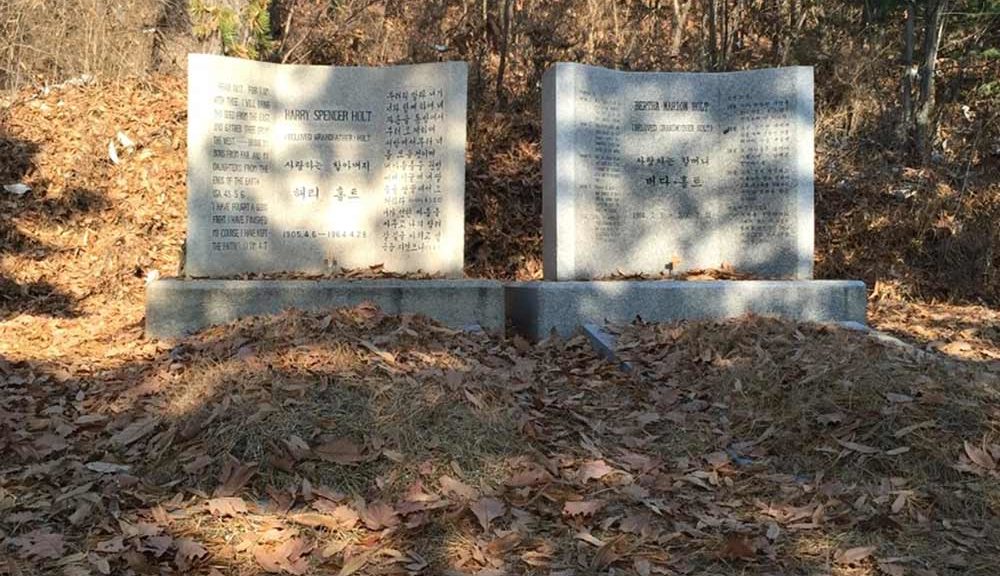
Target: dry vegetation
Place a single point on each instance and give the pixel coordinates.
(357, 442)
(353, 442)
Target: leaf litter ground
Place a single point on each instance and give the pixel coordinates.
(358, 443)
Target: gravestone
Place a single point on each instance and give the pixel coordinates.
(311, 169)
(654, 173)
(658, 172)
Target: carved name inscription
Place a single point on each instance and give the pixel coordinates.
(654, 172)
(314, 168)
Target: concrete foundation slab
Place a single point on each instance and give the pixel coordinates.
(535, 309)
(175, 307)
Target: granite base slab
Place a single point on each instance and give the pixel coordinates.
(175, 307)
(536, 309)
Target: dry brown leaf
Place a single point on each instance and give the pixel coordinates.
(288, 556)
(529, 477)
(636, 523)
(737, 547)
(487, 510)
(858, 447)
(233, 476)
(891, 569)
(315, 520)
(854, 555)
(504, 544)
(297, 448)
(594, 470)
(907, 429)
(339, 451)
(197, 464)
(378, 515)
(41, 544)
(979, 456)
(343, 516)
(189, 552)
(457, 488)
(833, 418)
(356, 562)
(226, 506)
(899, 503)
(134, 431)
(114, 545)
(583, 507)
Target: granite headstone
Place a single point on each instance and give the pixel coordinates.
(656, 173)
(311, 169)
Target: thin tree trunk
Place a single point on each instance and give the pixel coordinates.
(933, 27)
(681, 11)
(907, 120)
(505, 19)
(713, 46)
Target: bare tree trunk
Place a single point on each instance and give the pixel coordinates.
(725, 34)
(505, 19)
(713, 45)
(933, 27)
(681, 11)
(908, 73)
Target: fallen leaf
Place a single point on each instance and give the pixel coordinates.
(188, 553)
(378, 515)
(289, 556)
(636, 523)
(487, 510)
(116, 544)
(899, 503)
(717, 459)
(316, 520)
(504, 544)
(979, 456)
(197, 464)
(339, 451)
(297, 448)
(906, 430)
(134, 431)
(356, 562)
(106, 467)
(737, 547)
(226, 506)
(854, 555)
(457, 488)
(234, 476)
(41, 544)
(583, 507)
(858, 447)
(827, 419)
(891, 569)
(594, 470)
(529, 477)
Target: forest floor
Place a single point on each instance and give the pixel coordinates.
(353, 442)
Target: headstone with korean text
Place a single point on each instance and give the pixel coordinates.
(314, 169)
(656, 173)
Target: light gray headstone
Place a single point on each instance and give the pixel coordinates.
(649, 171)
(316, 168)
